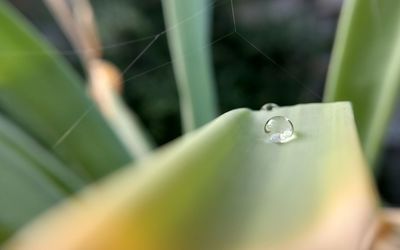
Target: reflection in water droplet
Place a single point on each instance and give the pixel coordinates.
(280, 129)
(269, 106)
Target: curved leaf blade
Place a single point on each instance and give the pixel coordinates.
(227, 187)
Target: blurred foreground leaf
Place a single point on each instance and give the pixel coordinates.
(365, 67)
(188, 27)
(227, 187)
(43, 94)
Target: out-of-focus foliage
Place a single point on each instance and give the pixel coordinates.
(43, 159)
(31, 178)
(365, 67)
(296, 34)
(188, 24)
(43, 94)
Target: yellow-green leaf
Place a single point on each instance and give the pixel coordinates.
(227, 187)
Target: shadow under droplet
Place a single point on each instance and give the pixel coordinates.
(299, 135)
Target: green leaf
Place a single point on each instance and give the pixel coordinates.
(365, 67)
(227, 187)
(188, 30)
(43, 94)
(16, 140)
(31, 179)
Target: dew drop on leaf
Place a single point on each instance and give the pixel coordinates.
(280, 129)
(269, 106)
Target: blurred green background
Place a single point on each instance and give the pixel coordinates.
(296, 34)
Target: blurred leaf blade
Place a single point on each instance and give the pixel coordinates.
(123, 121)
(105, 80)
(188, 29)
(364, 67)
(46, 163)
(31, 179)
(221, 188)
(42, 93)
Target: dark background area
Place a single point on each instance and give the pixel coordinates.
(296, 34)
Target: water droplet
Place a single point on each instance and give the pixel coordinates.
(269, 106)
(280, 129)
